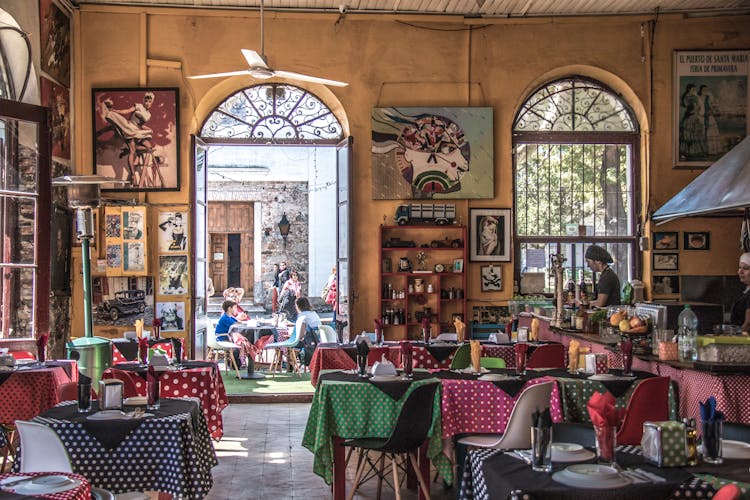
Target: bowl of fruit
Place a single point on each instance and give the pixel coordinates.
(629, 323)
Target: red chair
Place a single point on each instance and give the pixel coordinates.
(728, 492)
(650, 401)
(376, 354)
(22, 355)
(547, 356)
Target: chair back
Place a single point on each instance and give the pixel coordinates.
(547, 356)
(517, 433)
(67, 391)
(41, 449)
(650, 401)
(22, 355)
(414, 420)
(327, 334)
(376, 354)
(736, 432)
(486, 362)
(462, 357)
(211, 333)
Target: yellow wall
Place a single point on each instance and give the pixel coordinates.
(410, 61)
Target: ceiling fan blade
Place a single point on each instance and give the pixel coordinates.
(307, 78)
(219, 75)
(254, 60)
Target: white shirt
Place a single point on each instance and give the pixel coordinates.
(309, 318)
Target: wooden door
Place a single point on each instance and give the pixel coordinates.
(226, 218)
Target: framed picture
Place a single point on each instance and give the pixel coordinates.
(136, 137)
(62, 232)
(173, 274)
(55, 41)
(665, 285)
(696, 241)
(119, 301)
(492, 278)
(458, 265)
(432, 152)
(665, 261)
(489, 234)
(172, 316)
(173, 231)
(711, 97)
(57, 99)
(665, 240)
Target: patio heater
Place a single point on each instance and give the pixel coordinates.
(94, 353)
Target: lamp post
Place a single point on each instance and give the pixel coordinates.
(284, 226)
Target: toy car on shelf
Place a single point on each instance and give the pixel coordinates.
(398, 243)
(447, 243)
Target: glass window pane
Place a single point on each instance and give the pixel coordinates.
(18, 222)
(17, 302)
(19, 155)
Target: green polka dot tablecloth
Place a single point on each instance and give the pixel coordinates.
(718, 482)
(356, 410)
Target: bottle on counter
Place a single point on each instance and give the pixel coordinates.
(584, 296)
(691, 441)
(687, 335)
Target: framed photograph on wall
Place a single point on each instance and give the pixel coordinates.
(710, 100)
(136, 137)
(60, 258)
(492, 278)
(696, 240)
(665, 261)
(172, 316)
(173, 231)
(666, 240)
(489, 230)
(665, 285)
(173, 274)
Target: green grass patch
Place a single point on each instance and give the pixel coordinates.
(283, 383)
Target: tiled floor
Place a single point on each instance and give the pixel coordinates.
(261, 457)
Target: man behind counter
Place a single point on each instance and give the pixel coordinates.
(608, 287)
(741, 308)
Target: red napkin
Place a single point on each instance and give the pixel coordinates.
(378, 331)
(602, 411)
(156, 324)
(41, 347)
(143, 350)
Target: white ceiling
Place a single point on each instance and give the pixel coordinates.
(470, 8)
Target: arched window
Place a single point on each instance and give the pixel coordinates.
(273, 113)
(575, 181)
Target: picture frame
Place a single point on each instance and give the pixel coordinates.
(491, 278)
(665, 285)
(714, 85)
(173, 274)
(665, 240)
(458, 265)
(147, 156)
(172, 316)
(131, 297)
(490, 230)
(60, 250)
(696, 240)
(54, 38)
(173, 231)
(665, 261)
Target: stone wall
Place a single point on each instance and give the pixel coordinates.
(272, 200)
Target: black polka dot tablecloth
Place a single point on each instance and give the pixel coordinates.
(170, 452)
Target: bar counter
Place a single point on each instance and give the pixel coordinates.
(732, 390)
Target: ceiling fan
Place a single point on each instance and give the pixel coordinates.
(258, 66)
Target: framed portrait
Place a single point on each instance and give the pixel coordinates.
(489, 230)
(458, 265)
(136, 137)
(492, 278)
(711, 97)
(665, 240)
(57, 99)
(173, 274)
(696, 240)
(173, 231)
(406, 163)
(665, 285)
(60, 253)
(55, 41)
(172, 316)
(665, 261)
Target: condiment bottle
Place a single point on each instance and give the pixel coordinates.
(691, 442)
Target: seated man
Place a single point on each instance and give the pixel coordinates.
(247, 349)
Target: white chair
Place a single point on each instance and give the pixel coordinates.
(327, 334)
(517, 434)
(218, 348)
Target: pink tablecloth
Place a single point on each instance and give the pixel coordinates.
(81, 492)
(27, 393)
(204, 383)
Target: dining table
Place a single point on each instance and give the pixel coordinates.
(199, 379)
(51, 486)
(28, 389)
(168, 449)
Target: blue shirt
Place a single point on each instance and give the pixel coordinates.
(222, 327)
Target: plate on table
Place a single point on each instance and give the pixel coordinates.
(570, 452)
(609, 376)
(734, 449)
(591, 476)
(385, 378)
(135, 400)
(471, 371)
(497, 377)
(106, 415)
(46, 485)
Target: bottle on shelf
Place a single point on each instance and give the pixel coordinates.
(687, 335)
(583, 293)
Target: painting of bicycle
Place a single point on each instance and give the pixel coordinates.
(136, 137)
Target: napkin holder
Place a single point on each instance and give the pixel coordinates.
(523, 334)
(595, 363)
(363, 337)
(499, 338)
(7, 360)
(130, 335)
(110, 394)
(158, 359)
(380, 368)
(663, 443)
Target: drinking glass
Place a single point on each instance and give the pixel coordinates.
(520, 363)
(541, 449)
(712, 431)
(152, 393)
(362, 365)
(406, 363)
(605, 444)
(627, 363)
(84, 398)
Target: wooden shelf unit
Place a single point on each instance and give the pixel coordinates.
(443, 303)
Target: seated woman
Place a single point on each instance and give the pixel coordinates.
(235, 294)
(247, 349)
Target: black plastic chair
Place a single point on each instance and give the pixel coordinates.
(410, 431)
(736, 432)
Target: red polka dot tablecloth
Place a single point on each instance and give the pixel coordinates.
(81, 491)
(28, 392)
(204, 383)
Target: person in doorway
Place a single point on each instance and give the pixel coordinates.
(741, 308)
(608, 287)
(223, 327)
(291, 290)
